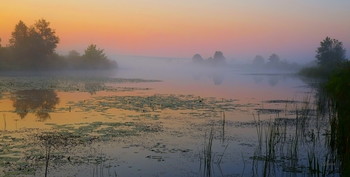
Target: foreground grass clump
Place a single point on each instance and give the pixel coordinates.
(338, 88)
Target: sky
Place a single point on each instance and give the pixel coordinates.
(241, 29)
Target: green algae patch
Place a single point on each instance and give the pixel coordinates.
(150, 106)
(68, 84)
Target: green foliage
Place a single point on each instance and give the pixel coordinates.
(339, 84)
(330, 58)
(338, 87)
(330, 54)
(314, 71)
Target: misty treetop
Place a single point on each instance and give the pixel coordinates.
(330, 57)
(330, 54)
(274, 62)
(217, 60)
(93, 58)
(33, 48)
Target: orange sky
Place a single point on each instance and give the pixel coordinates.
(240, 28)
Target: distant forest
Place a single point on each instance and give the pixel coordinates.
(33, 48)
(217, 60)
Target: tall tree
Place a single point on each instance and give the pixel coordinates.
(330, 54)
(18, 44)
(94, 58)
(197, 58)
(19, 36)
(274, 59)
(47, 35)
(219, 58)
(34, 47)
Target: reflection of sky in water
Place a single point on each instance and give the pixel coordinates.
(225, 83)
(242, 87)
(176, 150)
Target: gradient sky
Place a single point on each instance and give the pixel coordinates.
(181, 28)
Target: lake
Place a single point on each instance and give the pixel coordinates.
(170, 122)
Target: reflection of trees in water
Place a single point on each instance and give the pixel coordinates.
(218, 78)
(40, 102)
(258, 79)
(273, 81)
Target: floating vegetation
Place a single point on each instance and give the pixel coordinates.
(154, 103)
(104, 131)
(43, 149)
(282, 101)
(269, 111)
(67, 84)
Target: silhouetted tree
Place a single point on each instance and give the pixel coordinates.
(259, 60)
(47, 35)
(1, 56)
(5, 57)
(74, 59)
(73, 54)
(19, 43)
(197, 58)
(219, 58)
(95, 58)
(19, 36)
(33, 47)
(330, 54)
(274, 59)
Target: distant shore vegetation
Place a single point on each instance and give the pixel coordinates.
(333, 68)
(217, 60)
(273, 62)
(330, 58)
(32, 48)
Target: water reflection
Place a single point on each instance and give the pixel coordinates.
(336, 108)
(218, 78)
(272, 79)
(40, 102)
(258, 79)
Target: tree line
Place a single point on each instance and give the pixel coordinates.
(330, 57)
(333, 69)
(274, 62)
(33, 48)
(217, 60)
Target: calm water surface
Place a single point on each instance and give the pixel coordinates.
(169, 123)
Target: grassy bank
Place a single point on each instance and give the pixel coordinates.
(336, 88)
